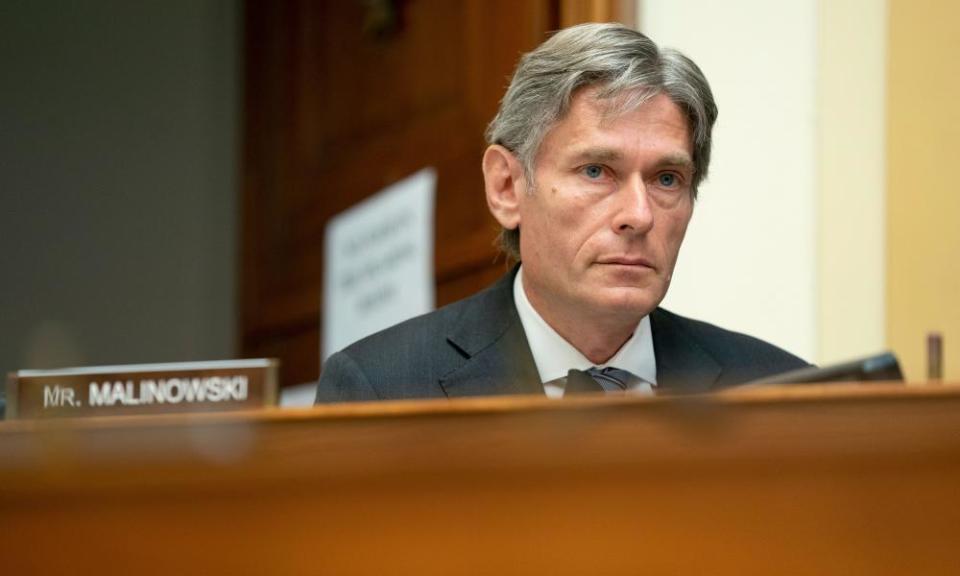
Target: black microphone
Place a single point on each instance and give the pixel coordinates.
(881, 367)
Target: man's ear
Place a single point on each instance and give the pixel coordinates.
(504, 184)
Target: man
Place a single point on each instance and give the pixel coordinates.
(592, 170)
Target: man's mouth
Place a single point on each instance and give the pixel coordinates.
(637, 261)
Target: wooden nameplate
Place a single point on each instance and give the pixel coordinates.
(142, 389)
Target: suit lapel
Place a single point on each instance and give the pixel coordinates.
(495, 355)
(682, 364)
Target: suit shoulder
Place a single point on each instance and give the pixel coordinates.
(405, 360)
(423, 330)
(730, 348)
(428, 329)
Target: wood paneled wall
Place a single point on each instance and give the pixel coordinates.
(343, 98)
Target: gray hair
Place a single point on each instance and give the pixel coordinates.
(626, 66)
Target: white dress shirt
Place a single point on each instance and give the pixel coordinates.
(554, 356)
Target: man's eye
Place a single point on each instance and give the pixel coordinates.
(667, 180)
(593, 171)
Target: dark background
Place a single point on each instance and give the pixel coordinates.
(167, 168)
(119, 138)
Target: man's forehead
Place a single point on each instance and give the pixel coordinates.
(608, 108)
(589, 106)
(589, 129)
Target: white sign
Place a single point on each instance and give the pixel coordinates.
(379, 262)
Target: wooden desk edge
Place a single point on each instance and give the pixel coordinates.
(502, 404)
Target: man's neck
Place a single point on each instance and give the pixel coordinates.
(598, 337)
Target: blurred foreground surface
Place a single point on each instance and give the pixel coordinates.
(818, 480)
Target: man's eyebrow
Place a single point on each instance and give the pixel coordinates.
(596, 155)
(677, 161)
(600, 155)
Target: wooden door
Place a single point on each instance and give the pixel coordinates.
(342, 98)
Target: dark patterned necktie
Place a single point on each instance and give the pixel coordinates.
(599, 380)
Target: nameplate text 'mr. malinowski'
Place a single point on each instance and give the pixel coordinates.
(142, 389)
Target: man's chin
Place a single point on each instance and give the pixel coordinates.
(631, 302)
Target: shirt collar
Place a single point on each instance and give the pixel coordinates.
(554, 356)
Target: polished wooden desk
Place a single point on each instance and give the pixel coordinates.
(842, 480)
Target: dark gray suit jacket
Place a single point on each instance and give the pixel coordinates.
(477, 347)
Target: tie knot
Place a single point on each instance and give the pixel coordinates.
(612, 379)
(604, 380)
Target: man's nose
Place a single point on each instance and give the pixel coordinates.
(633, 213)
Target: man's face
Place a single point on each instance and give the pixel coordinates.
(601, 231)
